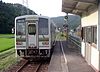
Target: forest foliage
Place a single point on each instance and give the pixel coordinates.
(8, 12)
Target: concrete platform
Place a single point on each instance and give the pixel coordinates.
(71, 62)
(56, 60)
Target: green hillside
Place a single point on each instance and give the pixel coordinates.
(8, 12)
(73, 21)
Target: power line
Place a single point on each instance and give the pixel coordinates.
(25, 3)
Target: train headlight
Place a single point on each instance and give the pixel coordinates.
(45, 43)
(19, 43)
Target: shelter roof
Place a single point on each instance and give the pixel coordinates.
(77, 6)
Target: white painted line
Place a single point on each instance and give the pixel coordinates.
(64, 57)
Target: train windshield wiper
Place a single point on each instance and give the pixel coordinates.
(43, 36)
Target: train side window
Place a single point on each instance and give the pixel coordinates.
(32, 29)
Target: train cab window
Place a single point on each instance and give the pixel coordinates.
(32, 29)
(20, 27)
(43, 26)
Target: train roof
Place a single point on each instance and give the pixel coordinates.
(26, 16)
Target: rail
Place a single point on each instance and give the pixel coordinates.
(32, 67)
(23, 65)
(38, 67)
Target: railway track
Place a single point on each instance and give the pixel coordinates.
(29, 66)
(22, 66)
(34, 67)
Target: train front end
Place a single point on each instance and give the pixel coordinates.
(32, 36)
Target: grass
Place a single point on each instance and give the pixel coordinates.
(9, 60)
(6, 35)
(6, 43)
(7, 52)
(5, 63)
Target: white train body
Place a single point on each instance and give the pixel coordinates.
(34, 36)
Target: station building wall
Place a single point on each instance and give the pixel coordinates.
(89, 48)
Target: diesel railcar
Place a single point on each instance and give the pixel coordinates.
(34, 36)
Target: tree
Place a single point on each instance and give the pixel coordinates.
(8, 12)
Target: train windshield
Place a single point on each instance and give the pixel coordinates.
(43, 26)
(20, 24)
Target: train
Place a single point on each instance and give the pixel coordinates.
(35, 36)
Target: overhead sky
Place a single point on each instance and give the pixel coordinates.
(51, 8)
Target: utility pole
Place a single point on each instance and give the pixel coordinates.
(25, 3)
(66, 27)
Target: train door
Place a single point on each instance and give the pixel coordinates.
(32, 35)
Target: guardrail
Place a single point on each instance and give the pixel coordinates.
(75, 40)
